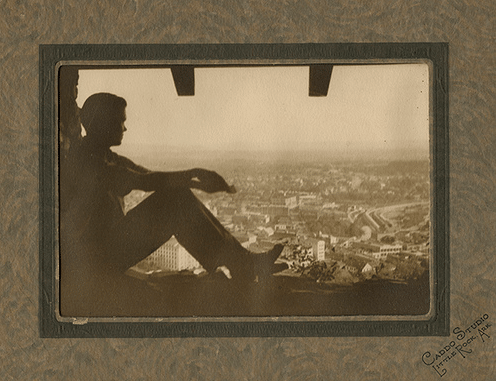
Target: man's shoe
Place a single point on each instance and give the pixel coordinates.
(257, 265)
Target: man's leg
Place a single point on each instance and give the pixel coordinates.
(178, 212)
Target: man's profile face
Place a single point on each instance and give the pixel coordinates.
(116, 127)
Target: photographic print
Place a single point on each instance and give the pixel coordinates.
(356, 337)
(248, 191)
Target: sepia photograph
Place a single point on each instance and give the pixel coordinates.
(246, 191)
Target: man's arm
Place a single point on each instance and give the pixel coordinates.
(139, 177)
(125, 179)
(197, 178)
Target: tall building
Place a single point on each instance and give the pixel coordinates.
(318, 248)
(173, 257)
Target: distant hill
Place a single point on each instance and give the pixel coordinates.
(407, 166)
(174, 158)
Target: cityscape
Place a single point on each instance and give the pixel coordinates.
(342, 221)
(343, 180)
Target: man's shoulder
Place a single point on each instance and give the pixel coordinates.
(115, 158)
(123, 161)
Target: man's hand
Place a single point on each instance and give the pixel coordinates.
(210, 181)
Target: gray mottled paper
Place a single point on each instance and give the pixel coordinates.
(468, 26)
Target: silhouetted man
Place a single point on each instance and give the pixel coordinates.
(105, 241)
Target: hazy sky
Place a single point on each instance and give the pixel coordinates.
(372, 106)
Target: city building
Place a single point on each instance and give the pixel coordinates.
(379, 255)
(258, 218)
(378, 250)
(318, 248)
(379, 247)
(368, 269)
(172, 256)
(240, 219)
(291, 202)
(245, 239)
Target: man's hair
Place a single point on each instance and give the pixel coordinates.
(99, 109)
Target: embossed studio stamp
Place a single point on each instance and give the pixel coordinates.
(462, 346)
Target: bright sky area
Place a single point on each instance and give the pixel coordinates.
(379, 107)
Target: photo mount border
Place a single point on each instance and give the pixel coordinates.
(50, 56)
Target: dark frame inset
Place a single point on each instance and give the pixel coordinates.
(52, 56)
